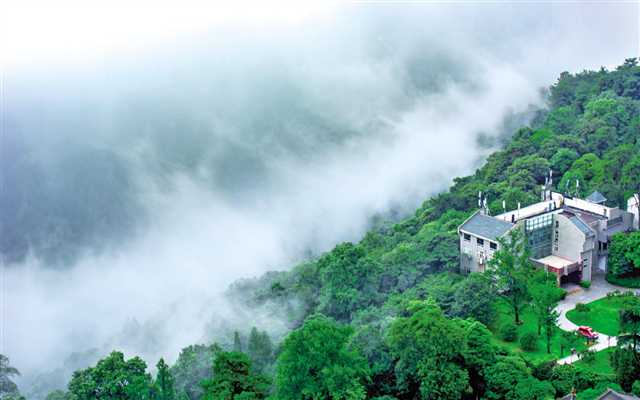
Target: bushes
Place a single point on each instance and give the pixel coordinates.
(529, 341)
(585, 284)
(626, 281)
(624, 254)
(587, 356)
(509, 332)
(582, 308)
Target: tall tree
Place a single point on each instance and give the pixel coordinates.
(625, 359)
(164, 385)
(237, 342)
(568, 340)
(7, 372)
(112, 378)
(192, 367)
(316, 362)
(475, 297)
(259, 349)
(510, 268)
(630, 322)
(544, 296)
(234, 379)
(428, 349)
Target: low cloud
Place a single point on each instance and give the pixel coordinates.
(155, 181)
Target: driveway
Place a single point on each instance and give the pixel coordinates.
(599, 289)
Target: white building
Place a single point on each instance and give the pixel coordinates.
(567, 236)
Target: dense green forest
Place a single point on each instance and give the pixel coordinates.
(389, 317)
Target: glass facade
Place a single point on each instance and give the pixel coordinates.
(539, 232)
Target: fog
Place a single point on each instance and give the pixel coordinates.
(138, 183)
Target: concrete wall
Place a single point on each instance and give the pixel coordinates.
(567, 240)
(572, 244)
(470, 252)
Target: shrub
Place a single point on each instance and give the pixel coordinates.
(509, 332)
(529, 341)
(635, 388)
(587, 356)
(583, 308)
(626, 281)
(543, 370)
(585, 284)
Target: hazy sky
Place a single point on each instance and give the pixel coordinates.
(160, 153)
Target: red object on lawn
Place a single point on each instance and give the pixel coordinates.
(587, 332)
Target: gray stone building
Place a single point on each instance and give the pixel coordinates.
(568, 236)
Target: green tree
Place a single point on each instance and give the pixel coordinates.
(234, 379)
(562, 160)
(7, 372)
(630, 180)
(191, 368)
(237, 342)
(503, 377)
(624, 254)
(530, 388)
(57, 395)
(474, 297)
(164, 386)
(545, 295)
(428, 348)
(259, 349)
(113, 377)
(478, 353)
(316, 362)
(626, 364)
(510, 268)
(630, 322)
(568, 340)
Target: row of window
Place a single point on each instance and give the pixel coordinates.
(492, 245)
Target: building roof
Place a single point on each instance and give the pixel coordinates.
(580, 224)
(486, 226)
(556, 262)
(596, 197)
(611, 394)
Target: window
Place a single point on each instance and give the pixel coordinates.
(493, 245)
(467, 237)
(480, 242)
(539, 231)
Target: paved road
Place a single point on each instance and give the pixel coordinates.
(599, 289)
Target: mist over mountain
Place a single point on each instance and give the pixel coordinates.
(141, 183)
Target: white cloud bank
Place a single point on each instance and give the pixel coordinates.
(249, 148)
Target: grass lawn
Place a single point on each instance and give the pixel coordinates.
(529, 325)
(602, 316)
(600, 365)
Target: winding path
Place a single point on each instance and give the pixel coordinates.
(599, 289)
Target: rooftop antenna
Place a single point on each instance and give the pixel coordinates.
(518, 210)
(550, 178)
(479, 199)
(484, 203)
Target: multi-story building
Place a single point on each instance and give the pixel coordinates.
(567, 236)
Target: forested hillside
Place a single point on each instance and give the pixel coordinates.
(589, 133)
(390, 317)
